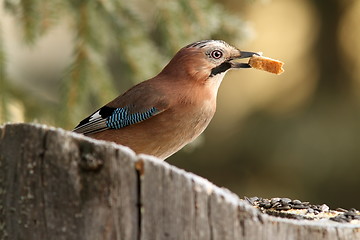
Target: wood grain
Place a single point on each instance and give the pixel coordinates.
(56, 184)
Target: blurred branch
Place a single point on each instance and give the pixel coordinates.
(3, 83)
(76, 82)
(334, 79)
(30, 18)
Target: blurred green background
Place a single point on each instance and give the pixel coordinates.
(295, 135)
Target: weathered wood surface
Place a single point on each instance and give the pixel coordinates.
(59, 185)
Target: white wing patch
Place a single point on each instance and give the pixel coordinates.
(94, 116)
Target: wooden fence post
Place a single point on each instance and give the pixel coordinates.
(58, 185)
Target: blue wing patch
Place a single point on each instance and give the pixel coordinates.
(121, 117)
(115, 118)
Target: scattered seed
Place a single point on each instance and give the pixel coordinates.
(310, 210)
(297, 202)
(280, 206)
(341, 210)
(275, 200)
(283, 208)
(285, 200)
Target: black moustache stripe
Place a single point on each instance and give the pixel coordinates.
(221, 68)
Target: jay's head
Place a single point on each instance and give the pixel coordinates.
(203, 60)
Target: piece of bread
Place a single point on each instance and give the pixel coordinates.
(266, 64)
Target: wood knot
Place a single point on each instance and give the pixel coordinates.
(139, 166)
(90, 163)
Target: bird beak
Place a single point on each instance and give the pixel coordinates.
(243, 54)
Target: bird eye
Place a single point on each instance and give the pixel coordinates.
(216, 54)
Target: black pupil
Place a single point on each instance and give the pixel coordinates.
(216, 54)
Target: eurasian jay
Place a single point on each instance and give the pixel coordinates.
(161, 115)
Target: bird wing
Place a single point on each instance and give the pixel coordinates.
(113, 118)
(134, 106)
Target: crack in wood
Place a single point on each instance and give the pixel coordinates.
(42, 182)
(139, 172)
(209, 218)
(241, 221)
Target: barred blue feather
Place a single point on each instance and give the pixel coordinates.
(115, 118)
(121, 117)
